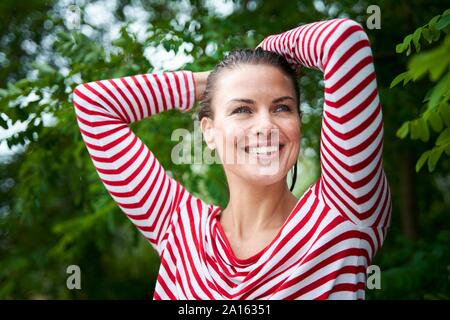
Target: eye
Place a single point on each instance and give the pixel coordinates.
(284, 107)
(241, 109)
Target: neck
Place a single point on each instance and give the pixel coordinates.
(252, 209)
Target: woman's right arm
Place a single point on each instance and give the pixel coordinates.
(128, 169)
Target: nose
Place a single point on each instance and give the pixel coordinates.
(265, 126)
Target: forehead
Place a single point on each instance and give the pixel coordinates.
(253, 81)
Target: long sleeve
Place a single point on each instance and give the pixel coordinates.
(352, 178)
(128, 169)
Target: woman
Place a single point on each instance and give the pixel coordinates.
(266, 244)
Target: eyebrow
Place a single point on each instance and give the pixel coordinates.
(250, 101)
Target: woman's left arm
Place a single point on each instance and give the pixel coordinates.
(353, 180)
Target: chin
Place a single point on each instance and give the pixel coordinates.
(262, 175)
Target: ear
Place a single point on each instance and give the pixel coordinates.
(207, 128)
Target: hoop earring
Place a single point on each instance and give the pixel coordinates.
(294, 177)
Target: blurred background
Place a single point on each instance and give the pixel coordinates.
(54, 211)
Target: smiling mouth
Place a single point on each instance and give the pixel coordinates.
(264, 150)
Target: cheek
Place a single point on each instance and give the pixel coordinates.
(292, 129)
(234, 129)
(227, 137)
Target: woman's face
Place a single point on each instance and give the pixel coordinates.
(256, 126)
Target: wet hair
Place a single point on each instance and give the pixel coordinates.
(239, 57)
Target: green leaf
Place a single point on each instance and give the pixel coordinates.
(44, 68)
(399, 48)
(423, 158)
(426, 33)
(399, 78)
(416, 38)
(424, 131)
(405, 44)
(444, 137)
(91, 57)
(403, 131)
(444, 111)
(436, 34)
(433, 21)
(447, 149)
(442, 88)
(22, 83)
(13, 90)
(434, 158)
(419, 130)
(427, 95)
(437, 69)
(435, 121)
(418, 65)
(120, 42)
(3, 93)
(415, 129)
(409, 50)
(443, 22)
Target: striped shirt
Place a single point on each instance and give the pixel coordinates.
(329, 238)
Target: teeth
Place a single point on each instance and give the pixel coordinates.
(259, 150)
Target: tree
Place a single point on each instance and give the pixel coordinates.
(434, 63)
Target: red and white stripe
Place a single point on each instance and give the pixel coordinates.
(339, 223)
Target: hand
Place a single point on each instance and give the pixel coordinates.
(285, 52)
(200, 79)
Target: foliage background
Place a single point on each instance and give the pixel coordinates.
(55, 212)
